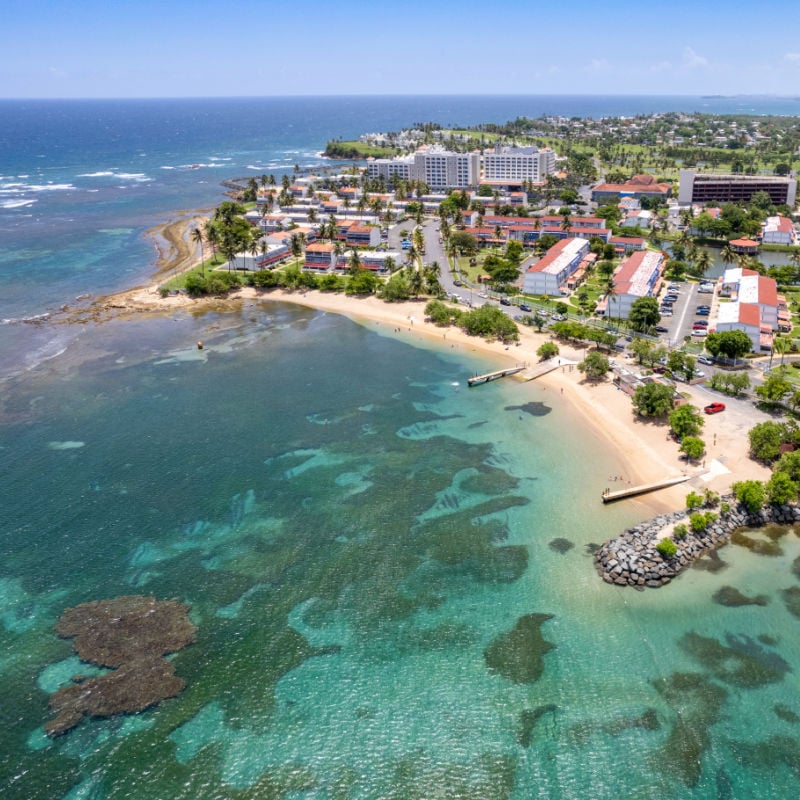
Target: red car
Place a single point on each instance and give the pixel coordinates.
(714, 408)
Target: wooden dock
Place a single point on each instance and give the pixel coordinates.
(477, 380)
(643, 488)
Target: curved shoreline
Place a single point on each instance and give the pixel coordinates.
(639, 450)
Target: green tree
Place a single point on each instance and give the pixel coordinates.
(729, 344)
(751, 494)
(653, 400)
(594, 366)
(197, 238)
(766, 439)
(775, 387)
(686, 420)
(644, 313)
(692, 447)
(781, 489)
(547, 350)
(641, 348)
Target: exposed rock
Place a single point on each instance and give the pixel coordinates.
(631, 559)
(130, 634)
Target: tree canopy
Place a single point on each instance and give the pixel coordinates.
(644, 313)
(730, 344)
(653, 400)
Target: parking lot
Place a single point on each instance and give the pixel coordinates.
(679, 322)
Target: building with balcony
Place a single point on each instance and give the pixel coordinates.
(518, 165)
(717, 189)
(637, 276)
(550, 274)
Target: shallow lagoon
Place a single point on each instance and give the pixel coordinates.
(368, 549)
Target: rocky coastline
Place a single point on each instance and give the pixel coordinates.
(631, 559)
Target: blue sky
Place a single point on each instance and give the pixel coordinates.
(173, 48)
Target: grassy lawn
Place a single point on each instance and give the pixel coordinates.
(366, 151)
(179, 281)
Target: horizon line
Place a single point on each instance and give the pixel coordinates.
(703, 96)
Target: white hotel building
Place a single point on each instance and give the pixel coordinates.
(519, 164)
(438, 168)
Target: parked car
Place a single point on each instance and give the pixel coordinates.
(672, 297)
(661, 329)
(703, 305)
(702, 312)
(705, 360)
(504, 301)
(659, 369)
(525, 307)
(458, 283)
(557, 317)
(699, 332)
(714, 408)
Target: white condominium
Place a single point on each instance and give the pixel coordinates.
(519, 164)
(435, 166)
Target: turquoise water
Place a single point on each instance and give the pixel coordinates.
(370, 553)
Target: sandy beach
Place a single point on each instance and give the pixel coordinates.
(640, 450)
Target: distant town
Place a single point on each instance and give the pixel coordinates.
(601, 219)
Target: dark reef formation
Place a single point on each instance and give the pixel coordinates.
(131, 635)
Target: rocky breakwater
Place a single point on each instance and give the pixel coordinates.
(633, 559)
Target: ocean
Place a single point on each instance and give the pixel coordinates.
(391, 575)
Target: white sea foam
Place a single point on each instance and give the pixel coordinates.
(65, 445)
(16, 203)
(139, 177)
(21, 188)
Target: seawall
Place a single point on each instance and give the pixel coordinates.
(631, 559)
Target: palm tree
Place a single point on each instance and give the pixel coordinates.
(212, 237)
(728, 254)
(254, 247)
(312, 215)
(702, 261)
(197, 238)
(781, 346)
(354, 262)
(566, 223)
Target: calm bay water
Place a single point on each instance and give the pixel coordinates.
(391, 575)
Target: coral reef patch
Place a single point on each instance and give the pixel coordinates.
(131, 635)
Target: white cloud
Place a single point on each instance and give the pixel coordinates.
(693, 60)
(598, 65)
(661, 66)
(792, 58)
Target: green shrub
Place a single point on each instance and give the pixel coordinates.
(710, 498)
(724, 508)
(693, 500)
(751, 494)
(699, 521)
(667, 548)
(680, 531)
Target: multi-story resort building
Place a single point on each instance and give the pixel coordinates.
(707, 188)
(755, 308)
(320, 256)
(551, 273)
(637, 276)
(518, 165)
(435, 166)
